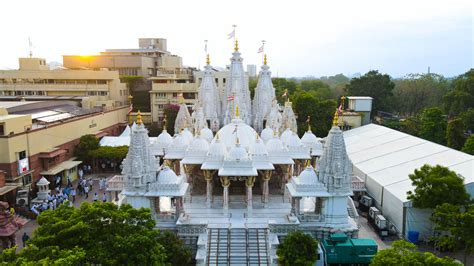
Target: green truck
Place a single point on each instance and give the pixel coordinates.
(338, 249)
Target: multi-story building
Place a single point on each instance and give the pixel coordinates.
(35, 81)
(149, 60)
(37, 138)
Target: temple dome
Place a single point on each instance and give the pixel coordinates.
(237, 153)
(309, 138)
(216, 149)
(167, 176)
(206, 133)
(199, 144)
(275, 145)
(237, 128)
(164, 138)
(258, 149)
(307, 177)
(286, 135)
(187, 135)
(267, 134)
(293, 141)
(179, 142)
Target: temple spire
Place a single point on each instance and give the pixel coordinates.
(335, 121)
(208, 60)
(236, 47)
(165, 122)
(308, 123)
(265, 59)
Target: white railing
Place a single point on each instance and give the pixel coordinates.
(116, 183)
(310, 217)
(358, 184)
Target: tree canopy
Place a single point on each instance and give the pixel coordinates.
(433, 125)
(171, 111)
(376, 85)
(416, 92)
(435, 185)
(86, 144)
(405, 253)
(321, 111)
(112, 153)
(455, 134)
(469, 145)
(108, 234)
(461, 97)
(298, 249)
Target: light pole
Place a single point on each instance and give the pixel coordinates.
(130, 98)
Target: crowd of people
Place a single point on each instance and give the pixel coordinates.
(69, 193)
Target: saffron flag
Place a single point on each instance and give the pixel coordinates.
(230, 98)
(339, 110)
(260, 50)
(130, 109)
(180, 95)
(231, 35)
(285, 94)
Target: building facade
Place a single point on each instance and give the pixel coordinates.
(38, 139)
(35, 81)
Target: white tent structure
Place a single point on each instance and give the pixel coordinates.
(384, 158)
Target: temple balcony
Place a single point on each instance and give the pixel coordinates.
(358, 184)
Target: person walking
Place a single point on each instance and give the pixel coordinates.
(104, 197)
(86, 191)
(25, 238)
(95, 198)
(73, 194)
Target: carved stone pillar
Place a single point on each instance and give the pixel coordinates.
(225, 181)
(249, 184)
(318, 205)
(293, 205)
(297, 206)
(188, 169)
(267, 175)
(286, 171)
(157, 205)
(208, 177)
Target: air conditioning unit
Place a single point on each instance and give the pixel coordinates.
(373, 212)
(22, 197)
(381, 222)
(366, 201)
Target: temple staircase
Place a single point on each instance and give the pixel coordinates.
(237, 246)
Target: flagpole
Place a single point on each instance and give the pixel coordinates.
(205, 49)
(235, 26)
(263, 49)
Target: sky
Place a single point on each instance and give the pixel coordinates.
(303, 38)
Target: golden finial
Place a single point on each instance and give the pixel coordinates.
(208, 60)
(343, 100)
(307, 163)
(237, 112)
(217, 136)
(335, 121)
(265, 59)
(258, 137)
(180, 98)
(237, 141)
(139, 118)
(236, 48)
(308, 123)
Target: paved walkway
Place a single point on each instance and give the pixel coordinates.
(32, 225)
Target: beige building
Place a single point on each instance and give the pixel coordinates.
(35, 81)
(149, 60)
(38, 139)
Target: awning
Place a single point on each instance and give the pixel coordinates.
(5, 189)
(52, 154)
(66, 165)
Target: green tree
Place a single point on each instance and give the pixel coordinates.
(177, 253)
(455, 225)
(435, 186)
(252, 85)
(433, 125)
(461, 97)
(86, 143)
(416, 92)
(32, 256)
(411, 126)
(107, 233)
(405, 253)
(455, 134)
(321, 111)
(468, 120)
(282, 84)
(376, 85)
(469, 145)
(297, 249)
